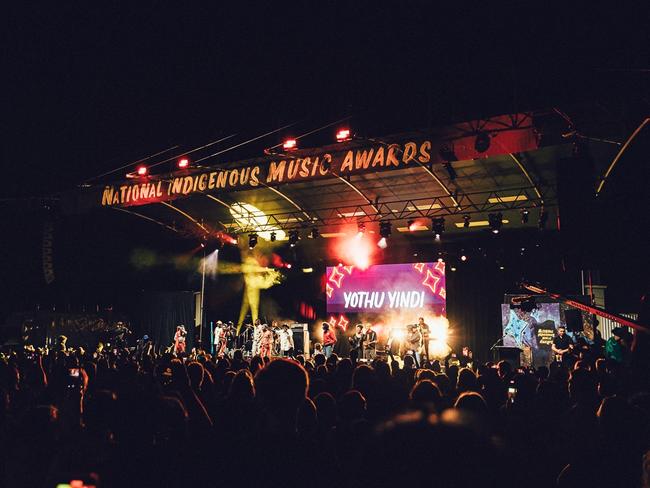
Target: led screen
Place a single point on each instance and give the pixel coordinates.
(387, 287)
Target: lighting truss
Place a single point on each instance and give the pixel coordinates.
(469, 203)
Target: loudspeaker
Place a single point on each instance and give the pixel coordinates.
(573, 319)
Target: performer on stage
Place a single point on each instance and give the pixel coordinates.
(179, 340)
(329, 339)
(562, 346)
(413, 342)
(258, 328)
(216, 338)
(370, 346)
(286, 341)
(266, 342)
(357, 340)
(230, 337)
(425, 331)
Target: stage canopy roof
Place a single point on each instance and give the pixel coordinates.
(505, 164)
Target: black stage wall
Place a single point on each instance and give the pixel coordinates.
(159, 313)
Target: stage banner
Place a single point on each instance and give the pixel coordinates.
(505, 134)
(416, 287)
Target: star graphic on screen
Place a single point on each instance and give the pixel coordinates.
(336, 277)
(440, 267)
(328, 290)
(332, 321)
(431, 281)
(442, 293)
(419, 267)
(348, 269)
(343, 322)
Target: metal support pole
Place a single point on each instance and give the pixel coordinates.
(202, 299)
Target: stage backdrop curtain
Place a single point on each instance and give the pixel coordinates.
(474, 300)
(159, 313)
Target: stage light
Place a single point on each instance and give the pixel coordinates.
(183, 163)
(453, 268)
(385, 229)
(288, 266)
(502, 268)
(382, 243)
(361, 228)
(294, 237)
(495, 222)
(307, 270)
(438, 226)
(314, 234)
(543, 217)
(343, 135)
(441, 260)
(482, 142)
(524, 216)
(290, 145)
(398, 334)
(273, 236)
(411, 225)
(252, 241)
(463, 256)
(466, 219)
(142, 170)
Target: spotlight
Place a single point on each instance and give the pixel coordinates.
(411, 225)
(482, 142)
(524, 216)
(543, 217)
(466, 219)
(183, 163)
(141, 170)
(438, 226)
(384, 229)
(294, 237)
(252, 241)
(314, 234)
(463, 256)
(495, 222)
(343, 135)
(453, 268)
(382, 243)
(361, 227)
(290, 145)
(273, 236)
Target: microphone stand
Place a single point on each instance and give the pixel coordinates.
(498, 340)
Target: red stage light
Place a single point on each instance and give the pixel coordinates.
(290, 145)
(142, 170)
(183, 163)
(343, 135)
(412, 225)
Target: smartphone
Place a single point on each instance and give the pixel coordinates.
(73, 372)
(512, 393)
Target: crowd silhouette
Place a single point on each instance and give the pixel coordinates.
(118, 418)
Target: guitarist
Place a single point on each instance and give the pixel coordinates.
(562, 346)
(370, 346)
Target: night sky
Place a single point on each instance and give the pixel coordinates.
(89, 87)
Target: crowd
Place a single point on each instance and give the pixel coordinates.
(134, 418)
